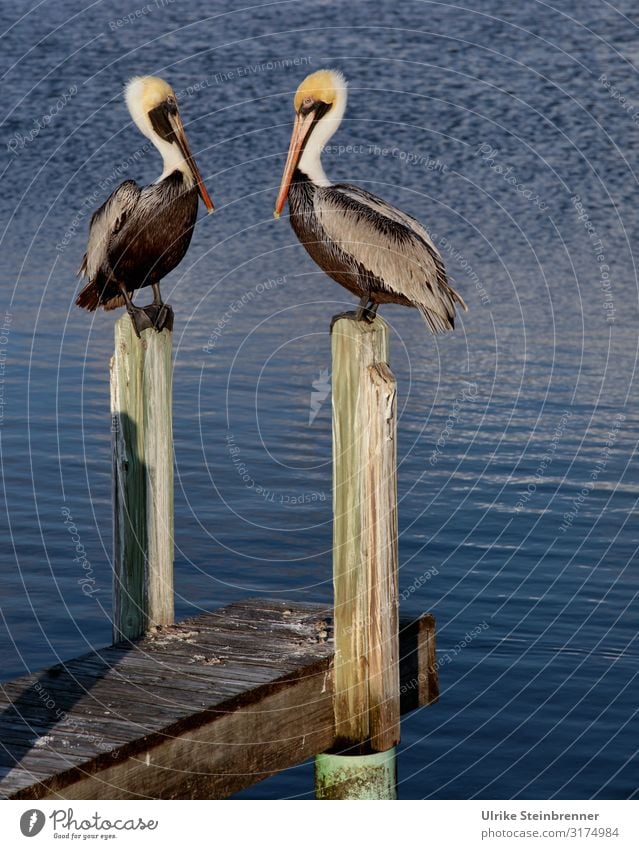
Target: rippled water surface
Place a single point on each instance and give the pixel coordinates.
(517, 433)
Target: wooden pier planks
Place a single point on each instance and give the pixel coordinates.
(195, 710)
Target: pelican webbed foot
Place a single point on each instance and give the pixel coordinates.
(365, 315)
(139, 319)
(366, 311)
(156, 316)
(160, 315)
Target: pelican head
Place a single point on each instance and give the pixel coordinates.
(153, 106)
(319, 105)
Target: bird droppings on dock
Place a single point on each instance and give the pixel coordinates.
(207, 661)
(322, 631)
(165, 634)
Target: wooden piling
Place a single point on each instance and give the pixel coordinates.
(366, 701)
(141, 411)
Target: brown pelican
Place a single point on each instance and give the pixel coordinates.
(375, 250)
(139, 234)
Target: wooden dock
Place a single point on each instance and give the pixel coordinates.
(196, 710)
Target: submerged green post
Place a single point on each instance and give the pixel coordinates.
(356, 776)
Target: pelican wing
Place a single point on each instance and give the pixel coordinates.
(106, 222)
(391, 246)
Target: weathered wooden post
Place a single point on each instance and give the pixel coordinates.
(141, 412)
(366, 669)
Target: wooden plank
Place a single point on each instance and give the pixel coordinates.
(419, 684)
(364, 538)
(109, 732)
(215, 761)
(141, 387)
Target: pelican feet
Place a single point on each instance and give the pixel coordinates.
(366, 311)
(155, 316)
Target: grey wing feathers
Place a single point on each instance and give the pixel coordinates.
(392, 246)
(105, 223)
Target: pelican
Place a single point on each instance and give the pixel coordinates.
(373, 249)
(139, 234)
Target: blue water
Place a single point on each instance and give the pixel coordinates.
(517, 433)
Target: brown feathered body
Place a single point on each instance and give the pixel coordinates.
(372, 248)
(136, 238)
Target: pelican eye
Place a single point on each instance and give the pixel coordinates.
(310, 104)
(171, 104)
(307, 106)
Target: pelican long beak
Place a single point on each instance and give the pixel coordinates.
(301, 129)
(180, 138)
